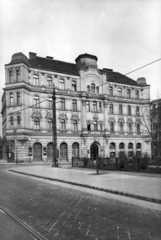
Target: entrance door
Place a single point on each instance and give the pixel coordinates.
(50, 151)
(63, 151)
(75, 150)
(37, 152)
(94, 151)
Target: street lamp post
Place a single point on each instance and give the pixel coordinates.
(54, 160)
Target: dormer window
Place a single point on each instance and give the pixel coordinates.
(137, 94)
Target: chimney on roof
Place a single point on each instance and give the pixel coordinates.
(32, 55)
(48, 57)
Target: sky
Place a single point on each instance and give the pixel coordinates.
(123, 34)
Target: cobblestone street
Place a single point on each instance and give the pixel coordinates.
(58, 212)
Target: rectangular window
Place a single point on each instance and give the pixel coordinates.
(95, 127)
(11, 99)
(36, 102)
(62, 104)
(88, 106)
(50, 104)
(94, 106)
(74, 104)
(89, 127)
(100, 107)
(18, 98)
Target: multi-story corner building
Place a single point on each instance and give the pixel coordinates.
(97, 110)
(156, 128)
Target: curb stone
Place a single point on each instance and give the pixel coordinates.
(154, 200)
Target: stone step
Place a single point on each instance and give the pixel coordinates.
(64, 164)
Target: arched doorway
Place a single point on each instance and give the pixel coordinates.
(63, 151)
(94, 151)
(37, 152)
(50, 151)
(75, 149)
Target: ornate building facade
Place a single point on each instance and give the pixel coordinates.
(97, 110)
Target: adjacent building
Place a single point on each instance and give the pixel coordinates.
(156, 128)
(98, 111)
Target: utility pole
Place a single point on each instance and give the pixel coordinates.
(54, 160)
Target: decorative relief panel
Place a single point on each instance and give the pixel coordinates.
(95, 117)
(75, 117)
(36, 114)
(129, 120)
(121, 120)
(49, 115)
(111, 119)
(63, 116)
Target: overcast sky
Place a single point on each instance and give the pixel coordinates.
(123, 34)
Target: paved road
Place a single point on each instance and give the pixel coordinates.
(10, 229)
(64, 213)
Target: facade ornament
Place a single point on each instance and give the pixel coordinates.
(95, 118)
(129, 120)
(83, 102)
(63, 116)
(75, 117)
(89, 122)
(121, 120)
(111, 119)
(100, 122)
(137, 121)
(49, 115)
(36, 114)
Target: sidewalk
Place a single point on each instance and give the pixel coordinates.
(133, 185)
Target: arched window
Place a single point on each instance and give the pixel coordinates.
(63, 125)
(112, 145)
(110, 91)
(18, 121)
(36, 124)
(138, 128)
(11, 122)
(75, 149)
(92, 88)
(111, 127)
(121, 145)
(74, 105)
(111, 108)
(121, 128)
(137, 94)
(36, 80)
(88, 88)
(75, 126)
(63, 151)
(17, 75)
(49, 82)
(119, 92)
(50, 124)
(137, 111)
(120, 109)
(10, 76)
(129, 110)
(128, 93)
(62, 84)
(130, 146)
(11, 99)
(36, 102)
(130, 128)
(138, 146)
(74, 88)
(62, 104)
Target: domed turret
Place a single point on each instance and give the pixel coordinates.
(141, 81)
(86, 60)
(19, 58)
